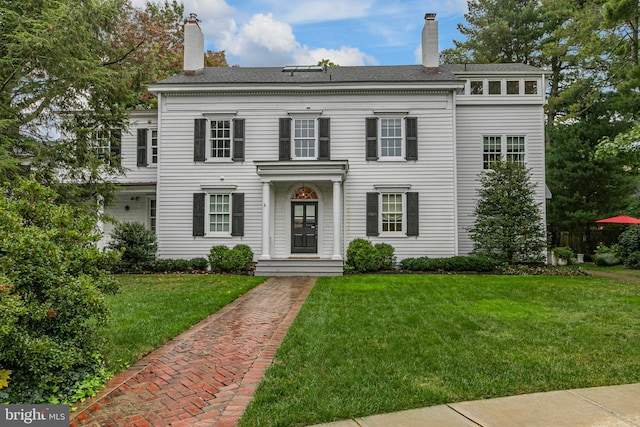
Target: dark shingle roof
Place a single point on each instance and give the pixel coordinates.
(359, 74)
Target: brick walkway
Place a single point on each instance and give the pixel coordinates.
(207, 375)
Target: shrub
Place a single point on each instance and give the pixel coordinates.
(477, 263)
(606, 259)
(633, 261)
(629, 242)
(367, 259)
(353, 249)
(138, 244)
(216, 254)
(387, 256)
(236, 260)
(51, 299)
(199, 264)
(564, 253)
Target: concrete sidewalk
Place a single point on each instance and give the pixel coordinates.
(617, 406)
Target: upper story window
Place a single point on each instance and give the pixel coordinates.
(147, 143)
(501, 87)
(218, 138)
(106, 145)
(306, 137)
(391, 138)
(503, 147)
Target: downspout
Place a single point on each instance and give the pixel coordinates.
(455, 172)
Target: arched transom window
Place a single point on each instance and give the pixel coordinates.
(304, 193)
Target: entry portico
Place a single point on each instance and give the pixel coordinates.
(302, 210)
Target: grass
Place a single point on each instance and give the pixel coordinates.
(151, 309)
(617, 269)
(369, 344)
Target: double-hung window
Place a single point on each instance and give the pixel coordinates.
(392, 211)
(219, 143)
(218, 137)
(106, 145)
(304, 136)
(391, 137)
(503, 147)
(218, 212)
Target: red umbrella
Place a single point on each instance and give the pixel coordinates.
(620, 219)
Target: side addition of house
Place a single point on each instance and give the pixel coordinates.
(298, 161)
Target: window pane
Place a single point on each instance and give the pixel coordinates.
(491, 150)
(152, 214)
(477, 87)
(390, 137)
(392, 212)
(219, 213)
(220, 138)
(513, 87)
(154, 146)
(515, 149)
(495, 87)
(304, 138)
(531, 87)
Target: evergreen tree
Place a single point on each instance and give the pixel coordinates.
(508, 224)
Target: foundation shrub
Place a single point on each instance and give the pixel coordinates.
(477, 263)
(137, 244)
(199, 264)
(387, 256)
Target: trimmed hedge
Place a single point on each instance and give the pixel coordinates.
(457, 263)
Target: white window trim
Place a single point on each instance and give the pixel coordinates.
(402, 233)
(219, 116)
(503, 146)
(503, 86)
(403, 137)
(150, 162)
(316, 136)
(211, 190)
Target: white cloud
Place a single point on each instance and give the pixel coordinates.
(346, 56)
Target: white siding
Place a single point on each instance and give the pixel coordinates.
(432, 176)
(475, 121)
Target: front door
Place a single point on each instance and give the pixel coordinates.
(304, 227)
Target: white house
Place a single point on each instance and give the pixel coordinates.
(296, 162)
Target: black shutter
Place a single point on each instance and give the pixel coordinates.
(237, 214)
(413, 214)
(142, 147)
(238, 140)
(199, 140)
(411, 131)
(324, 151)
(285, 139)
(372, 138)
(198, 213)
(372, 214)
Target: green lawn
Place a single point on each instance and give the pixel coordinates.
(379, 343)
(617, 269)
(151, 309)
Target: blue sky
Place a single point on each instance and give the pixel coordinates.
(349, 32)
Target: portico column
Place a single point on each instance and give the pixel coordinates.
(266, 219)
(337, 219)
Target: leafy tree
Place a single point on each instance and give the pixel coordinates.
(70, 71)
(52, 279)
(508, 224)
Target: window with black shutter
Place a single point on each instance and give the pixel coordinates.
(142, 147)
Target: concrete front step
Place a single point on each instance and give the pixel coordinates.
(299, 267)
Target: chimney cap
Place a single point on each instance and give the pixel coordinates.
(430, 16)
(193, 17)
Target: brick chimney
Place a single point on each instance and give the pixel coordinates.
(193, 46)
(430, 54)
